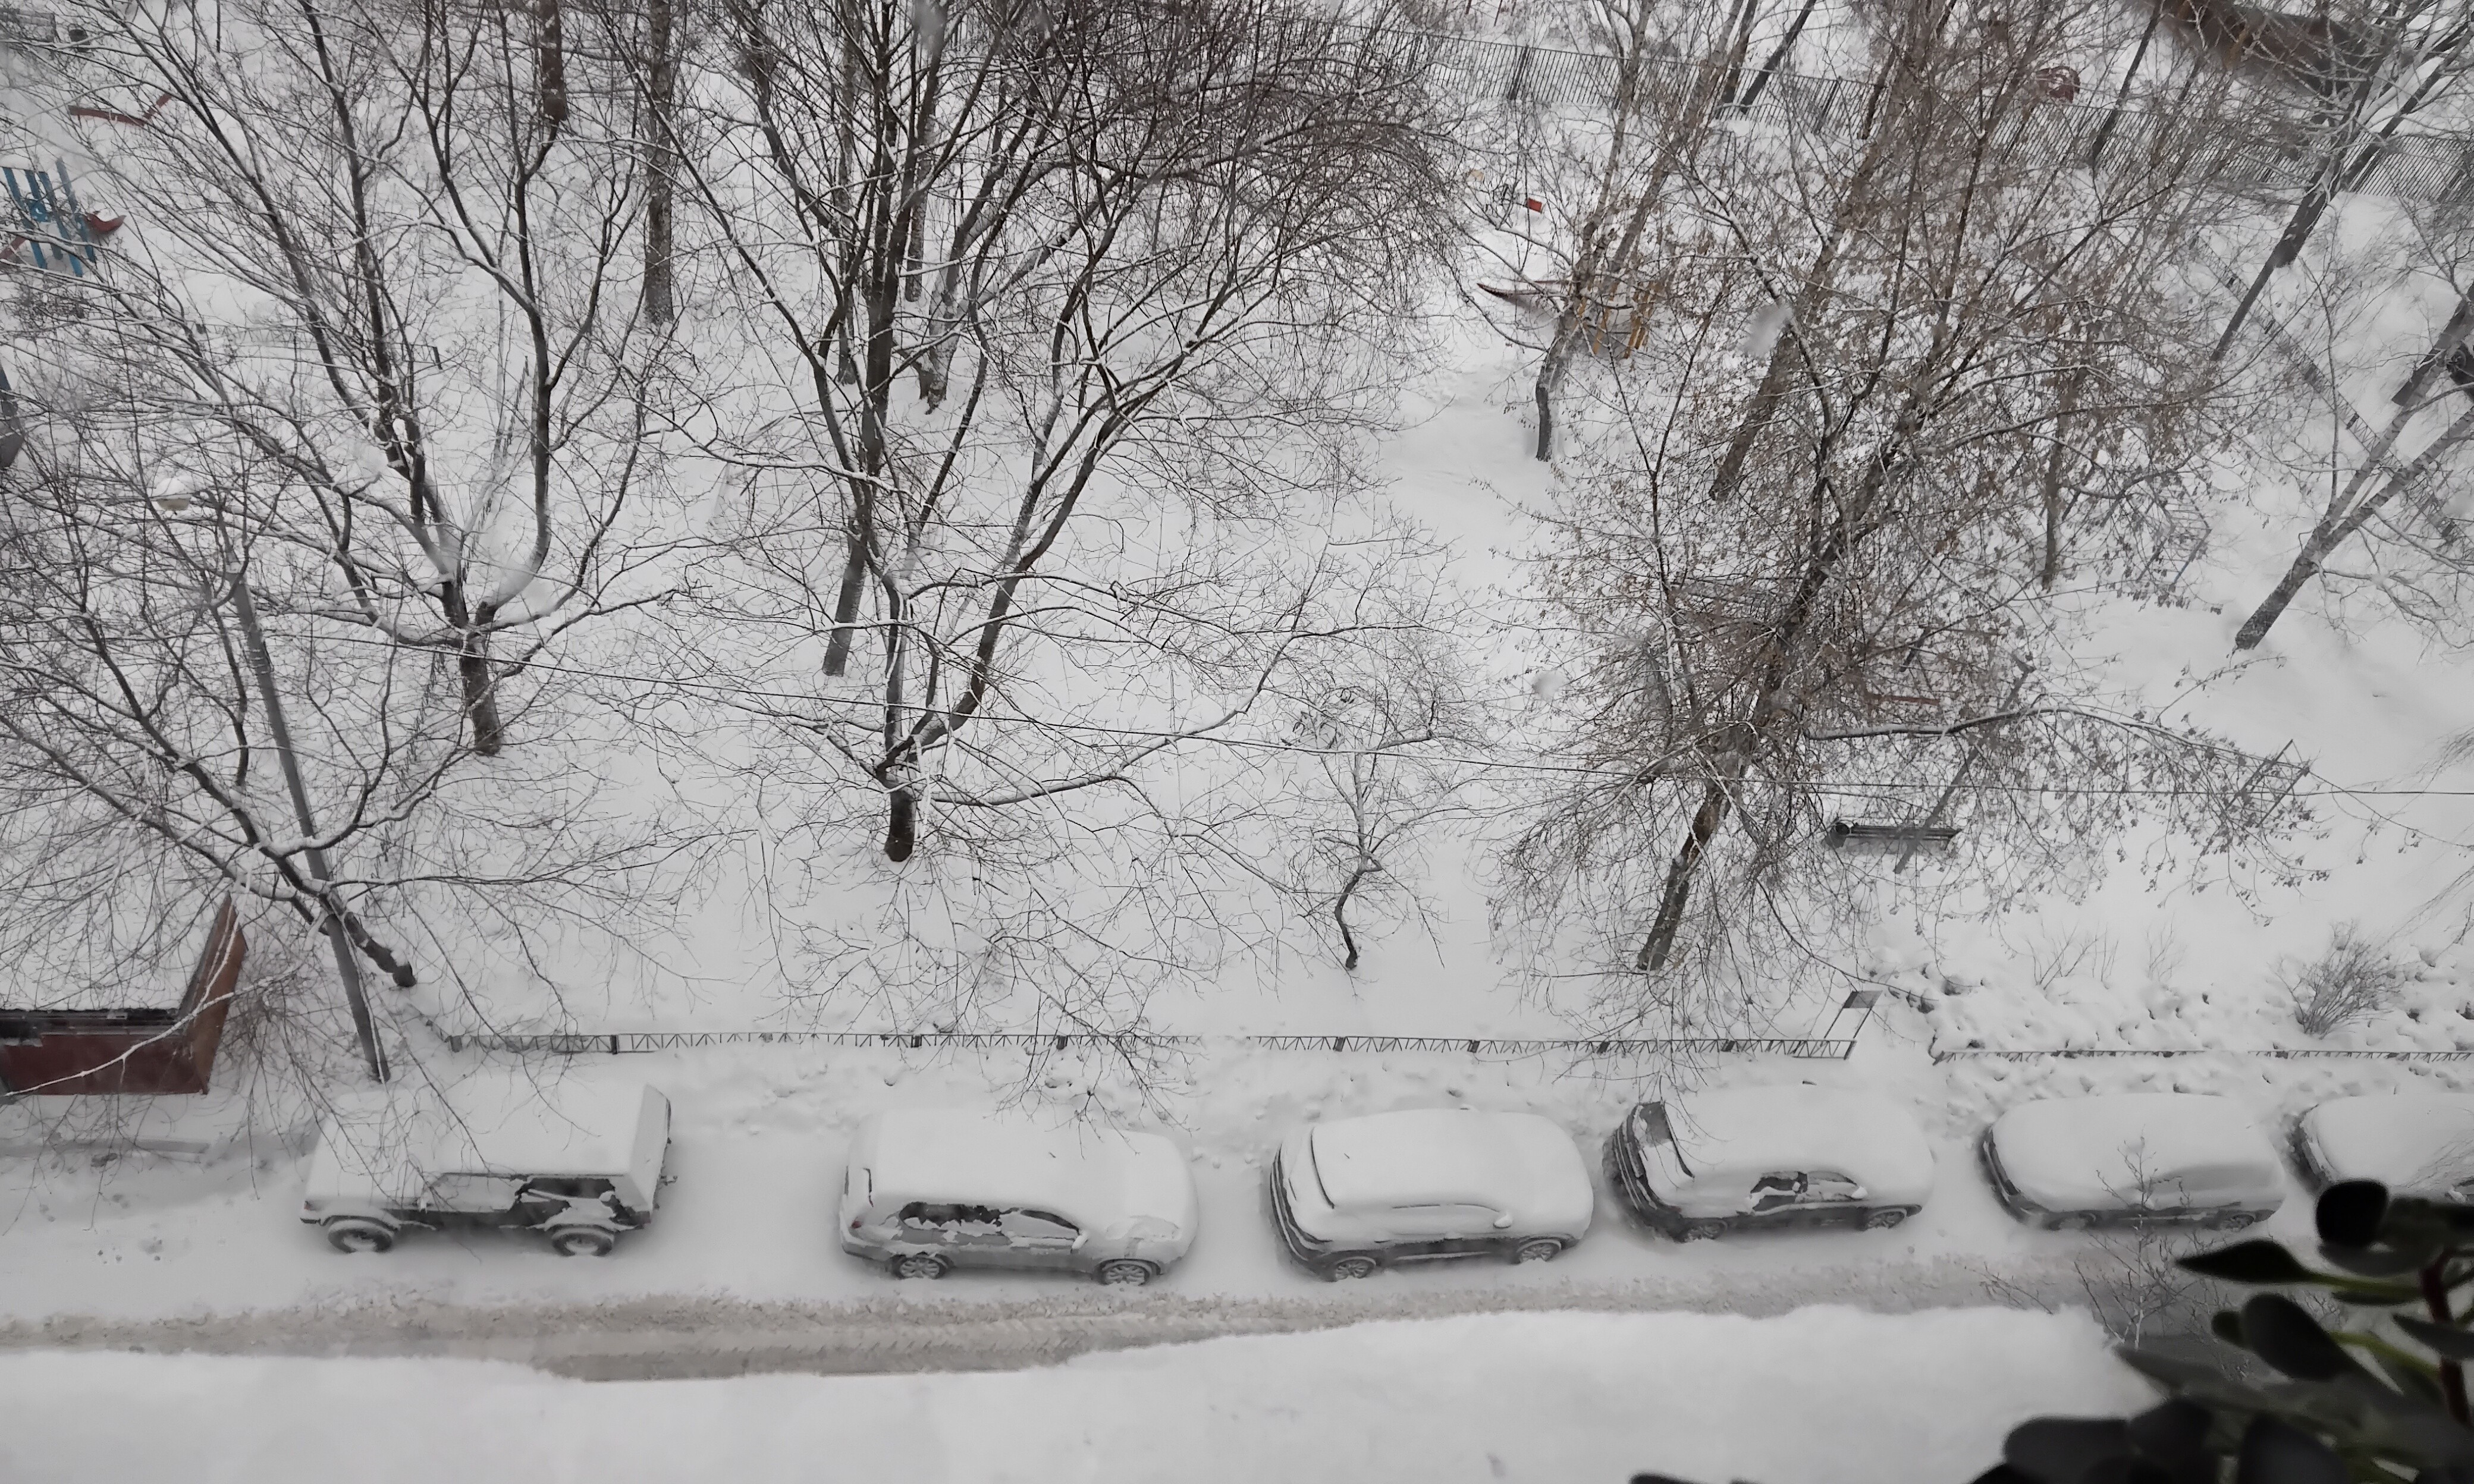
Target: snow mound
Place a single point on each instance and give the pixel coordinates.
(1819, 1394)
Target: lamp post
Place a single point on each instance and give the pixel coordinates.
(172, 500)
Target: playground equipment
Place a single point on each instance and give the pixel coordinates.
(60, 236)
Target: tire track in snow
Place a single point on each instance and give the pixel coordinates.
(916, 1330)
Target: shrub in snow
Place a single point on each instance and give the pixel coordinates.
(2354, 978)
(2351, 1406)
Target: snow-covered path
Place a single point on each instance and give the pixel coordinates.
(955, 1327)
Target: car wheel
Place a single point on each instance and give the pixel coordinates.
(2070, 1221)
(1884, 1220)
(583, 1242)
(351, 1235)
(1703, 1231)
(1124, 1273)
(2233, 1221)
(919, 1264)
(1543, 1249)
(1353, 1266)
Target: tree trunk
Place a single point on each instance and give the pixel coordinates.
(900, 825)
(373, 950)
(660, 90)
(1339, 915)
(2104, 133)
(1706, 821)
(480, 698)
(1550, 378)
(1752, 93)
(838, 644)
(2052, 570)
(549, 61)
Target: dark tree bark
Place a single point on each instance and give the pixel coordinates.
(660, 87)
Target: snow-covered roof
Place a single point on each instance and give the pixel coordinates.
(2102, 1152)
(2419, 1144)
(1082, 1171)
(1753, 1130)
(1446, 1156)
(383, 1141)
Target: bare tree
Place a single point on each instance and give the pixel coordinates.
(1815, 593)
(384, 258)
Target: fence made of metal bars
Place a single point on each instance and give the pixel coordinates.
(1834, 1048)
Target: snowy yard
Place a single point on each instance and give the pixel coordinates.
(1200, 520)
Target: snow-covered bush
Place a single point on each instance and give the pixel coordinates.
(2356, 978)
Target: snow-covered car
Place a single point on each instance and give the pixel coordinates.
(2414, 1143)
(581, 1162)
(1755, 1158)
(928, 1190)
(2071, 1162)
(1356, 1194)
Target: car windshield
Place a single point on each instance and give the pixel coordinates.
(1649, 1124)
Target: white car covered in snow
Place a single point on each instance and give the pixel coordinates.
(2072, 1162)
(580, 1163)
(2414, 1143)
(928, 1190)
(1356, 1194)
(1758, 1159)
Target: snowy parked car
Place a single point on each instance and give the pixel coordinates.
(579, 1163)
(2414, 1143)
(1758, 1159)
(1356, 1194)
(929, 1190)
(2072, 1162)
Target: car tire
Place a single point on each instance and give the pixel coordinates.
(920, 1264)
(1124, 1273)
(1348, 1269)
(2231, 1221)
(1701, 1231)
(2070, 1221)
(1538, 1249)
(582, 1242)
(355, 1234)
(1885, 1218)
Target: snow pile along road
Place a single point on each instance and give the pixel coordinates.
(1819, 1394)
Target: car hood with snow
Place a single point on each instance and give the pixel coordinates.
(2137, 1150)
(1521, 1164)
(2414, 1143)
(1115, 1183)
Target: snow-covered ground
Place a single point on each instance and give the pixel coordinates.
(1822, 1393)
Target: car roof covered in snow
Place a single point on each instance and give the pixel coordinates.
(1518, 1163)
(1082, 1170)
(2098, 1153)
(1753, 1131)
(2419, 1144)
(384, 1140)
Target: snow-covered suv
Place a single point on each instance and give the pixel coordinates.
(2072, 1162)
(1356, 1194)
(581, 1162)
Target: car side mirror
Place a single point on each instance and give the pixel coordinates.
(1502, 1221)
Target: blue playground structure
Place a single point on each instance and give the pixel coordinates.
(46, 219)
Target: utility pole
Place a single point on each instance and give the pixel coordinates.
(264, 662)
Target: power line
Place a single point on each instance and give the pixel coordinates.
(2333, 790)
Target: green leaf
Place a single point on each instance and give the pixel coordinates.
(2275, 1451)
(2259, 1261)
(2409, 1376)
(2374, 1294)
(2444, 1340)
(2350, 1211)
(2283, 1333)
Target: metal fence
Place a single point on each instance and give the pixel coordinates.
(2280, 1053)
(1834, 1049)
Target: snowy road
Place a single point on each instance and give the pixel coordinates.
(949, 1327)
